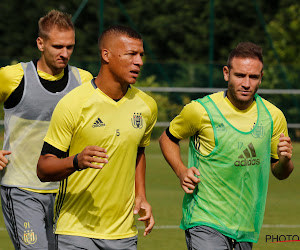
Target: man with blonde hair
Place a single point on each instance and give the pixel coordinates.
(30, 91)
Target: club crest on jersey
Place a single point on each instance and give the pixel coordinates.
(258, 132)
(29, 237)
(137, 120)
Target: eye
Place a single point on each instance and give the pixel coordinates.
(57, 46)
(240, 75)
(255, 77)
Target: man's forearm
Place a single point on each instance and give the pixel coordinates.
(171, 152)
(51, 168)
(282, 170)
(140, 173)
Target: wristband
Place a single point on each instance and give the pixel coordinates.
(75, 163)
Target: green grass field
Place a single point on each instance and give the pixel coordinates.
(282, 216)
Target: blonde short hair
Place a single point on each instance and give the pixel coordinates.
(54, 18)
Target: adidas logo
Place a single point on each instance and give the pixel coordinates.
(98, 123)
(248, 157)
(221, 127)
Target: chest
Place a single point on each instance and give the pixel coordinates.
(107, 124)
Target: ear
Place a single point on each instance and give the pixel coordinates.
(105, 55)
(226, 73)
(40, 44)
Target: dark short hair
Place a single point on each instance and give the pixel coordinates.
(119, 30)
(245, 50)
(54, 18)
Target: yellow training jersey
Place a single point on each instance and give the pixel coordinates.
(194, 120)
(97, 203)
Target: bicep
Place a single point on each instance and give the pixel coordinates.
(49, 149)
(10, 78)
(188, 122)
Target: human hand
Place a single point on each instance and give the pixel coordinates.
(3, 159)
(188, 180)
(143, 208)
(92, 157)
(284, 148)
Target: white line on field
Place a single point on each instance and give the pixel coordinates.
(177, 226)
(280, 226)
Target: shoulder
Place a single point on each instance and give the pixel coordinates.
(195, 107)
(217, 97)
(275, 112)
(11, 71)
(147, 99)
(85, 75)
(77, 97)
(10, 78)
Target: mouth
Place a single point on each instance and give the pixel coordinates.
(245, 92)
(135, 73)
(62, 62)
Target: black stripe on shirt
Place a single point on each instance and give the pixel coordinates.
(171, 137)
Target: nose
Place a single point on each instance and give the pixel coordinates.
(64, 52)
(246, 83)
(138, 60)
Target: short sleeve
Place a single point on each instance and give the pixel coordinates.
(279, 126)
(62, 126)
(188, 122)
(10, 78)
(150, 124)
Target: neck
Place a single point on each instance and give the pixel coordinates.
(111, 88)
(42, 66)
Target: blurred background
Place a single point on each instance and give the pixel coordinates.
(186, 44)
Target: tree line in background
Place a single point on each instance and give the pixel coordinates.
(179, 37)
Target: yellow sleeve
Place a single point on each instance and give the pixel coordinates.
(62, 124)
(85, 75)
(150, 123)
(188, 122)
(279, 126)
(10, 78)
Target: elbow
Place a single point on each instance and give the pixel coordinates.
(161, 139)
(42, 177)
(282, 175)
(40, 173)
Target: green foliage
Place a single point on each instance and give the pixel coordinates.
(284, 29)
(167, 109)
(172, 30)
(177, 41)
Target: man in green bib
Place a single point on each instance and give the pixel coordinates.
(235, 136)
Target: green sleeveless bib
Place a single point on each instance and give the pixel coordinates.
(234, 177)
